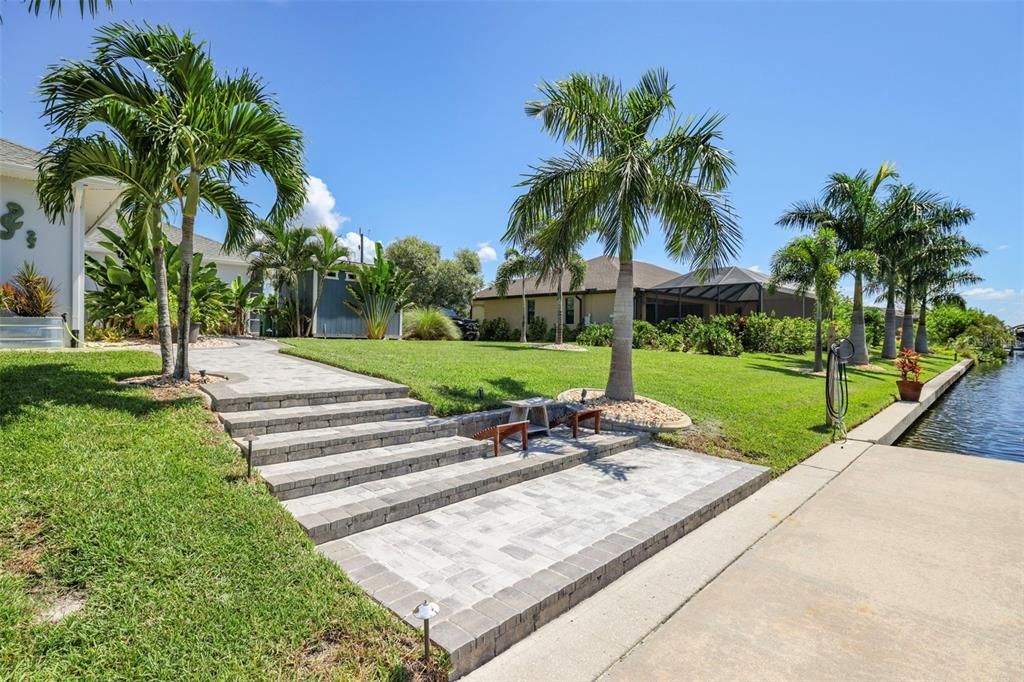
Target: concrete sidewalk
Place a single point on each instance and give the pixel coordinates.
(909, 565)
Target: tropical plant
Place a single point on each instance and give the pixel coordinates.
(557, 246)
(214, 130)
(327, 255)
(7, 295)
(210, 131)
(240, 298)
(380, 292)
(812, 264)
(496, 329)
(596, 335)
(429, 324)
(32, 294)
(517, 266)
(944, 270)
(617, 176)
(908, 363)
(281, 254)
(849, 206)
(92, 7)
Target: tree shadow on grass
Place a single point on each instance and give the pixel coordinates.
(29, 385)
(787, 371)
(496, 391)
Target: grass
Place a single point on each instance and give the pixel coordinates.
(752, 405)
(187, 570)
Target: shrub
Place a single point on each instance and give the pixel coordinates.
(33, 295)
(595, 335)
(909, 365)
(794, 335)
(716, 339)
(7, 297)
(946, 322)
(646, 335)
(429, 324)
(537, 330)
(758, 333)
(497, 329)
(874, 326)
(96, 333)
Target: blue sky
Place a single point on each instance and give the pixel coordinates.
(414, 123)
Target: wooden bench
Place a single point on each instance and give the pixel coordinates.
(573, 419)
(503, 431)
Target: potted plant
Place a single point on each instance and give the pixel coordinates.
(909, 364)
(26, 306)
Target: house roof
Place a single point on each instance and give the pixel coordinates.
(729, 284)
(602, 274)
(211, 249)
(18, 157)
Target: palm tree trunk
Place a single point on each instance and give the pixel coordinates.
(163, 312)
(921, 342)
(858, 336)
(889, 344)
(906, 341)
(522, 333)
(818, 365)
(188, 221)
(561, 310)
(298, 313)
(620, 375)
(316, 304)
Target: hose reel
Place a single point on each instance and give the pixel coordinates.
(837, 390)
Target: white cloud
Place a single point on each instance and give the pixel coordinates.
(319, 207)
(486, 252)
(351, 240)
(990, 294)
(1004, 247)
(755, 268)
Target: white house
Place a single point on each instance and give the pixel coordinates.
(58, 249)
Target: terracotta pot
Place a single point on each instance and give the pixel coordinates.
(910, 390)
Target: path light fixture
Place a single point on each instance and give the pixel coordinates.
(202, 373)
(480, 392)
(248, 457)
(583, 396)
(425, 612)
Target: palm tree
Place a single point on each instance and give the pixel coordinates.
(557, 247)
(92, 7)
(618, 176)
(282, 254)
(214, 130)
(812, 263)
(519, 266)
(849, 206)
(328, 255)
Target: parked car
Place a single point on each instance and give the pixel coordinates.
(470, 328)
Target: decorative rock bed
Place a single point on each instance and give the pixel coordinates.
(642, 414)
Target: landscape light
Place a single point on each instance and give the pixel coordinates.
(425, 612)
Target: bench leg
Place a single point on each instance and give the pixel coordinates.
(597, 423)
(497, 442)
(526, 438)
(575, 426)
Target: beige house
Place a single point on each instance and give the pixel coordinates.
(659, 294)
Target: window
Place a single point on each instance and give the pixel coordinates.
(350, 277)
(531, 307)
(331, 275)
(570, 311)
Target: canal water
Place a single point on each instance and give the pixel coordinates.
(983, 414)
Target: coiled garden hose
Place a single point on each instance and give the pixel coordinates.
(837, 390)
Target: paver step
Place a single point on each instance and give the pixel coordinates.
(224, 398)
(503, 564)
(290, 446)
(331, 515)
(305, 417)
(289, 480)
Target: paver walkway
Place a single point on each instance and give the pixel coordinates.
(413, 511)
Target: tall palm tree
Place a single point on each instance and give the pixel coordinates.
(849, 205)
(812, 263)
(328, 255)
(557, 245)
(618, 175)
(215, 131)
(519, 266)
(281, 254)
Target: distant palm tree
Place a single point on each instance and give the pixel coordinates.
(282, 254)
(215, 131)
(812, 263)
(557, 245)
(620, 176)
(849, 206)
(519, 266)
(328, 255)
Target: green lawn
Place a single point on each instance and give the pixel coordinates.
(187, 570)
(752, 405)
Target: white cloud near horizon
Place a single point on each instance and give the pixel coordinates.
(1004, 247)
(990, 294)
(319, 207)
(486, 252)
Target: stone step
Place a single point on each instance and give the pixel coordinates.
(331, 515)
(289, 480)
(225, 398)
(503, 564)
(305, 417)
(291, 446)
